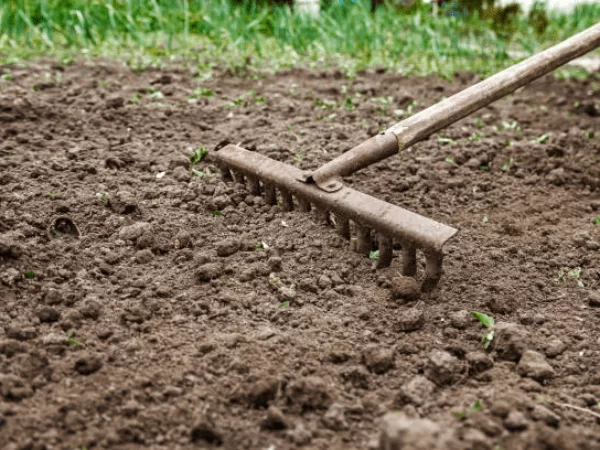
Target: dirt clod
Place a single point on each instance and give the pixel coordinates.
(543, 414)
(534, 365)
(309, 393)
(510, 341)
(48, 314)
(401, 432)
(209, 271)
(275, 420)
(405, 289)
(516, 421)
(134, 231)
(555, 348)
(262, 392)
(334, 418)
(416, 391)
(442, 368)
(88, 364)
(227, 247)
(378, 359)
(479, 362)
(204, 431)
(410, 320)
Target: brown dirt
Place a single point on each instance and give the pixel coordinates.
(147, 322)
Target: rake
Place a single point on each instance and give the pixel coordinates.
(366, 221)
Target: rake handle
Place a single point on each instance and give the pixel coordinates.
(437, 117)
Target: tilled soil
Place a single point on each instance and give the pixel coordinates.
(144, 305)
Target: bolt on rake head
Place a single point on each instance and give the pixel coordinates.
(366, 221)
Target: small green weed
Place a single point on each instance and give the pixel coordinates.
(102, 196)
(284, 304)
(29, 274)
(542, 139)
(70, 339)
(445, 141)
(136, 99)
(485, 219)
(597, 221)
(506, 166)
(449, 160)
(299, 156)
(374, 254)
(588, 134)
(198, 155)
(479, 123)
(573, 274)
(475, 137)
(53, 195)
(471, 410)
(484, 167)
(488, 322)
(217, 213)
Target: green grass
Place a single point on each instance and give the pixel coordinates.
(151, 33)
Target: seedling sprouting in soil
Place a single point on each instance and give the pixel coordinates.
(472, 409)
(157, 95)
(542, 139)
(284, 304)
(445, 141)
(506, 166)
(102, 196)
(217, 213)
(571, 274)
(588, 134)
(262, 244)
(29, 274)
(479, 123)
(299, 156)
(135, 99)
(198, 155)
(597, 221)
(484, 167)
(348, 104)
(475, 137)
(514, 125)
(485, 220)
(449, 160)
(488, 322)
(70, 339)
(374, 255)
(53, 195)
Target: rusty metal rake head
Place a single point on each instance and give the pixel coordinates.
(367, 222)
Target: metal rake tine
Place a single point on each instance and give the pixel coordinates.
(409, 260)
(342, 225)
(433, 270)
(363, 239)
(386, 252)
(253, 185)
(270, 194)
(287, 201)
(303, 205)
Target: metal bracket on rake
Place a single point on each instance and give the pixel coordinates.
(358, 217)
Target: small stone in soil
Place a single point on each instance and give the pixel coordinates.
(88, 364)
(405, 288)
(594, 299)
(442, 368)
(410, 320)
(378, 359)
(275, 264)
(534, 365)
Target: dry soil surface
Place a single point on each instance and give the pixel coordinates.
(148, 305)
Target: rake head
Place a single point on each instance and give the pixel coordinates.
(367, 222)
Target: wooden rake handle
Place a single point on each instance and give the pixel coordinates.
(437, 117)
